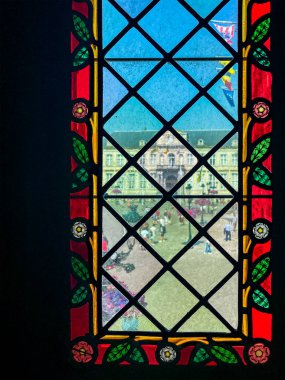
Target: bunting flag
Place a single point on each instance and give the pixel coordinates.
(229, 94)
(227, 32)
(227, 82)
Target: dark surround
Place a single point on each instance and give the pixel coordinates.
(35, 87)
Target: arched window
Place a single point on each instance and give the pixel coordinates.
(171, 159)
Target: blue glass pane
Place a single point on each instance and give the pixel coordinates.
(133, 72)
(168, 91)
(203, 116)
(203, 7)
(225, 23)
(133, 45)
(168, 23)
(202, 71)
(113, 91)
(226, 94)
(133, 7)
(132, 117)
(112, 22)
(203, 45)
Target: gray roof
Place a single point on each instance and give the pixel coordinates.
(131, 140)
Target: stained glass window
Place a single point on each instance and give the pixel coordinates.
(171, 196)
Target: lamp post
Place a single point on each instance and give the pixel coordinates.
(202, 206)
(188, 189)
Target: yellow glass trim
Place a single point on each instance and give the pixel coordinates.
(96, 68)
(227, 339)
(94, 124)
(95, 212)
(245, 122)
(179, 341)
(244, 217)
(245, 293)
(244, 19)
(140, 337)
(117, 337)
(246, 243)
(245, 324)
(95, 184)
(244, 271)
(94, 305)
(245, 172)
(94, 243)
(95, 22)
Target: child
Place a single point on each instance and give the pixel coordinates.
(208, 248)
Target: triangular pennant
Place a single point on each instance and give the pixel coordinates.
(133, 320)
(225, 23)
(203, 266)
(133, 72)
(132, 266)
(225, 301)
(225, 231)
(112, 300)
(201, 71)
(113, 161)
(133, 45)
(203, 321)
(112, 231)
(132, 210)
(133, 8)
(112, 22)
(113, 91)
(202, 7)
(203, 45)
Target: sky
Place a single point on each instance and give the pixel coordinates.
(167, 91)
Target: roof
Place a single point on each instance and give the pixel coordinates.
(131, 140)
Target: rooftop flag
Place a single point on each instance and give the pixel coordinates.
(227, 32)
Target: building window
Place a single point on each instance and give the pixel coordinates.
(190, 159)
(234, 181)
(224, 159)
(108, 176)
(153, 159)
(212, 160)
(142, 143)
(131, 181)
(142, 182)
(171, 159)
(212, 181)
(234, 159)
(200, 142)
(142, 160)
(109, 159)
(161, 159)
(119, 160)
(181, 159)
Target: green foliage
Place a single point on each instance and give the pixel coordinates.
(80, 177)
(224, 355)
(260, 299)
(261, 56)
(261, 30)
(80, 151)
(79, 268)
(81, 28)
(81, 57)
(260, 150)
(261, 177)
(136, 356)
(260, 269)
(201, 355)
(118, 352)
(79, 295)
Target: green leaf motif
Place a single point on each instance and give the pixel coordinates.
(261, 56)
(261, 177)
(81, 28)
(80, 151)
(260, 299)
(260, 150)
(201, 355)
(261, 30)
(260, 269)
(136, 356)
(79, 295)
(82, 175)
(79, 268)
(118, 352)
(81, 57)
(224, 355)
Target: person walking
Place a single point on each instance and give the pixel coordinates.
(208, 248)
(227, 231)
(162, 229)
(153, 233)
